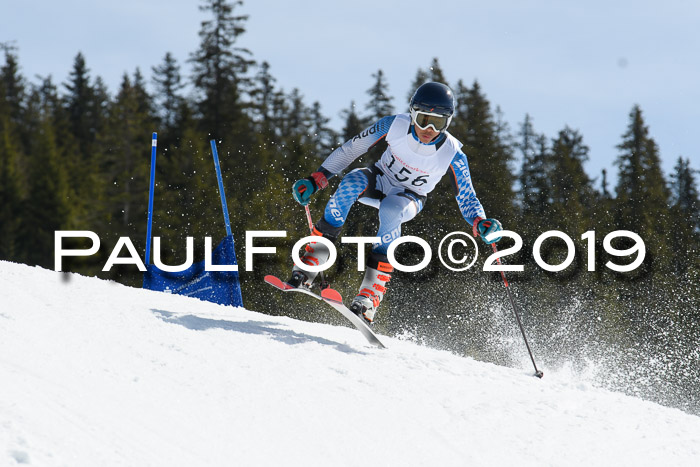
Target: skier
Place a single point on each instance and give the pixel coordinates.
(420, 151)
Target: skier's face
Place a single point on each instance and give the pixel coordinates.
(427, 135)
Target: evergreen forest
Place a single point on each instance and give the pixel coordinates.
(75, 155)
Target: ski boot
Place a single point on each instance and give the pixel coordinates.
(315, 254)
(373, 288)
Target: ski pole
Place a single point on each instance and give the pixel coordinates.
(324, 284)
(308, 218)
(538, 373)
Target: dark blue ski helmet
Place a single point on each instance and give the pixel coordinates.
(436, 99)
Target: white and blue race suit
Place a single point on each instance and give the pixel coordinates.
(398, 184)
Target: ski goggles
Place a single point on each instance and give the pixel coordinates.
(425, 120)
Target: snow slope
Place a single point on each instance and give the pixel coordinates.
(93, 373)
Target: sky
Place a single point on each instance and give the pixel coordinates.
(577, 64)
(95, 373)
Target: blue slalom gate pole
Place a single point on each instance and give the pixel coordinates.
(221, 187)
(154, 144)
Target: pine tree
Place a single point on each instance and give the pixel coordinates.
(641, 190)
(353, 123)
(144, 100)
(642, 196)
(125, 161)
(571, 190)
(534, 178)
(220, 71)
(379, 104)
(535, 195)
(298, 118)
(13, 85)
(175, 208)
(488, 154)
(603, 219)
(179, 143)
(604, 185)
(302, 150)
(323, 137)
(10, 189)
(84, 107)
(263, 96)
(684, 193)
(685, 238)
(99, 105)
(168, 84)
(12, 180)
(79, 105)
(47, 207)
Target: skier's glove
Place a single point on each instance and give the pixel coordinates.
(304, 188)
(484, 227)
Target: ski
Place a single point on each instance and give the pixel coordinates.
(334, 299)
(284, 287)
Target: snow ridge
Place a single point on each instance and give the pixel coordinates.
(96, 373)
